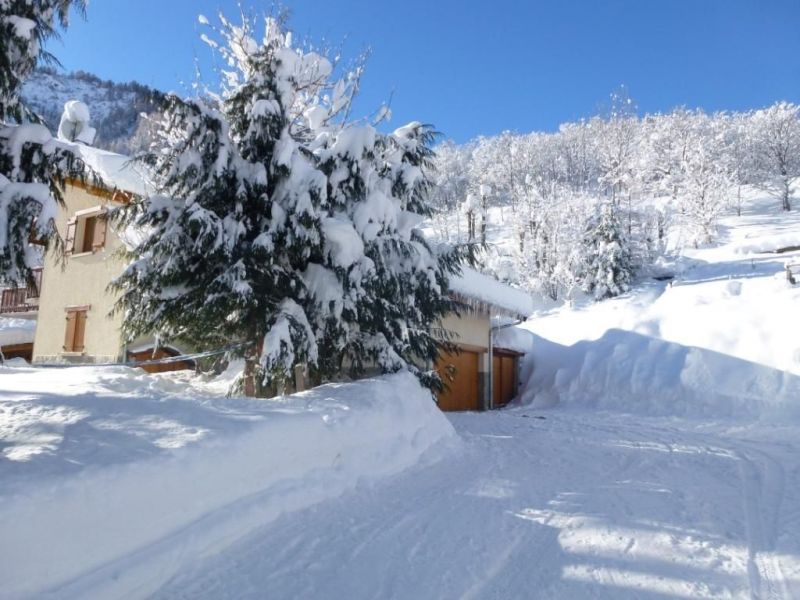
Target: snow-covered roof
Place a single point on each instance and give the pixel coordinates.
(477, 286)
(116, 170)
(16, 331)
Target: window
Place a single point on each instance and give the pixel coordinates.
(76, 328)
(86, 231)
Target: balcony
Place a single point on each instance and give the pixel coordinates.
(22, 299)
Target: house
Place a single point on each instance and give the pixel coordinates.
(481, 375)
(77, 324)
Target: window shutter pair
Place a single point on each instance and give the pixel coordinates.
(76, 328)
(97, 231)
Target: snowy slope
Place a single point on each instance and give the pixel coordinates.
(113, 479)
(722, 339)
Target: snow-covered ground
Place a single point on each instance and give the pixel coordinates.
(575, 505)
(657, 455)
(113, 480)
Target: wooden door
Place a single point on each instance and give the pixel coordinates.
(503, 379)
(460, 374)
(508, 366)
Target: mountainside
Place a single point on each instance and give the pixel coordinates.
(116, 108)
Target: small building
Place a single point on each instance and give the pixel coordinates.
(481, 375)
(76, 322)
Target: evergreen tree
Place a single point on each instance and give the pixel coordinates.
(283, 227)
(32, 164)
(606, 269)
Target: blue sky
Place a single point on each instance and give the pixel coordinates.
(477, 68)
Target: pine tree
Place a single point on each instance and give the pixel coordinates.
(280, 226)
(396, 293)
(606, 268)
(32, 165)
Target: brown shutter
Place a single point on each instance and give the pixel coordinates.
(69, 242)
(87, 239)
(80, 329)
(100, 232)
(69, 338)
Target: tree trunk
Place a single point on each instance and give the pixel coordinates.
(251, 383)
(739, 201)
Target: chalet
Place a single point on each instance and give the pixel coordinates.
(76, 323)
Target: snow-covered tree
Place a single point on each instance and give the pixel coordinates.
(32, 164)
(606, 268)
(283, 227)
(775, 136)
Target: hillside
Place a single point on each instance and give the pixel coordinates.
(116, 108)
(720, 339)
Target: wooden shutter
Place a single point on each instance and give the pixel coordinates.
(80, 329)
(100, 224)
(69, 242)
(87, 239)
(76, 329)
(507, 367)
(69, 337)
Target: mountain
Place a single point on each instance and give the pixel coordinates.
(116, 109)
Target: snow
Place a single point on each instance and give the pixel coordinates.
(342, 243)
(655, 454)
(569, 506)
(76, 111)
(74, 125)
(474, 284)
(659, 459)
(23, 28)
(114, 480)
(718, 341)
(116, 170)
(16, 331)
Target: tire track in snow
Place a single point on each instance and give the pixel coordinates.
(762, 479)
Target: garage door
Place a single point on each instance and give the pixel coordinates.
(460, 373)
(503, 379)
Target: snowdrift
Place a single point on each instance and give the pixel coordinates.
(123, 526)
(634, 373)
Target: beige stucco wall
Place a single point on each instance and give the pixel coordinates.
(81, 280)
(471, 329)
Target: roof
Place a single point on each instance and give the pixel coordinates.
(501, 297)
(116, 170)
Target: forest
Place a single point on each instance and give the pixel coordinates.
(597, 201)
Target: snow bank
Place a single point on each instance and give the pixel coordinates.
(629, 372)
(16, 331)
(514, 338)
(770, 243)
(482, 287)
(123, 525)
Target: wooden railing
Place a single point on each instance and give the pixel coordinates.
(15, 299)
